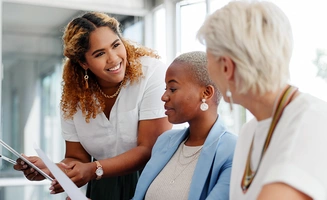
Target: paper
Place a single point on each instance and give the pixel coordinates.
(70, 188)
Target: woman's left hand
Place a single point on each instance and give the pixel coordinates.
(80, 173)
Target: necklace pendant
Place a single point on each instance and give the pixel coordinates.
(249, 177)
(172, 182)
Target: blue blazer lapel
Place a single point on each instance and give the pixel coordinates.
(205, 162)
(159, 160)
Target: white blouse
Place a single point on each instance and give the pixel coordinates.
(103, 138)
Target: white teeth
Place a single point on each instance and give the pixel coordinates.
(114, 68)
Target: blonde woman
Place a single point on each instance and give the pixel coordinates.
(280, 153)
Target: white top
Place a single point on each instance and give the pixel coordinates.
(103, 138)
(296, 154)
(174, 180)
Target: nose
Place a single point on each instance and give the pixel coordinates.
(164, 97)
(111, 58)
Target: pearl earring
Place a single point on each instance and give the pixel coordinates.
(204, 106)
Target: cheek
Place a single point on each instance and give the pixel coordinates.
(97, 64)
(122, 52)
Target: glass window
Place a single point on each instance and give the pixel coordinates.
(216, 4)
(51, 140)
(159, 26)
(308, 66)
(30, 102)
(133, 29)
(188, 25)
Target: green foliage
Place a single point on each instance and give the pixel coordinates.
(321, 63)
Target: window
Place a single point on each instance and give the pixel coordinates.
(159, 27)
(188, 25)
(308, 66)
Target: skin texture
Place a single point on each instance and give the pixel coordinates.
(106, 52)
(222, 72)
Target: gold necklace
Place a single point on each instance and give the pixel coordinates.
(110, 96)
(283, 101)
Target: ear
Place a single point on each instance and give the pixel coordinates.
(208, 92)
(228, 67)
(83, 65)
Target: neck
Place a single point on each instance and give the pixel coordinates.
(200, 128)
(261, 106)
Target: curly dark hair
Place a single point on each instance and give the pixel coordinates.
(76, 43)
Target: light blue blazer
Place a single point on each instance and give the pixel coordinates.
(212, 172)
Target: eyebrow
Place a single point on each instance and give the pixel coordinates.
(96, 51)
(172, 81)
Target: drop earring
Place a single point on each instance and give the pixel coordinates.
(229, 96)
(86, 78)
(204, 106)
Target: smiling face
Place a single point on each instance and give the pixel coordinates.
(182, 96)
(106, 57)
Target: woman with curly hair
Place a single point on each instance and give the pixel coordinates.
(111, 106)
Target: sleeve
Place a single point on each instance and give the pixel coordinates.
(68, 130)
(151, 106)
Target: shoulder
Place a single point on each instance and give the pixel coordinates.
(219, 134)
(306, 102)
(304, 111)
(169, 136)
(229, 138)
(227, 144)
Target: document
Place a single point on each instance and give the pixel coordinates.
(70, 188)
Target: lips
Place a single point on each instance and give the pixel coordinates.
(115, 68)
(168, 110)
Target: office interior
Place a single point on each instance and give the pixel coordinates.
(31, 65)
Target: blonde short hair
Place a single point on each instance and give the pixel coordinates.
(257, 36)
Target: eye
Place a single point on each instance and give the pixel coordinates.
(116, 45)
(99, 54)
(171, 89)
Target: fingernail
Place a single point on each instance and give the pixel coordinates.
(22, 162)
(52, 192)
(24, 166)
(51, 188)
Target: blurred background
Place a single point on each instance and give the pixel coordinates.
(31, 65)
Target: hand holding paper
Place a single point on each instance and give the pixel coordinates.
(70, 188)
(78, 172)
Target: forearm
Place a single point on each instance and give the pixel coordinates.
(127, 162)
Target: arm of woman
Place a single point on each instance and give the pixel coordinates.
(128, 162)
(75, 152)
(281, 191)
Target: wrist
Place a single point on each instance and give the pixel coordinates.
(98, 172)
